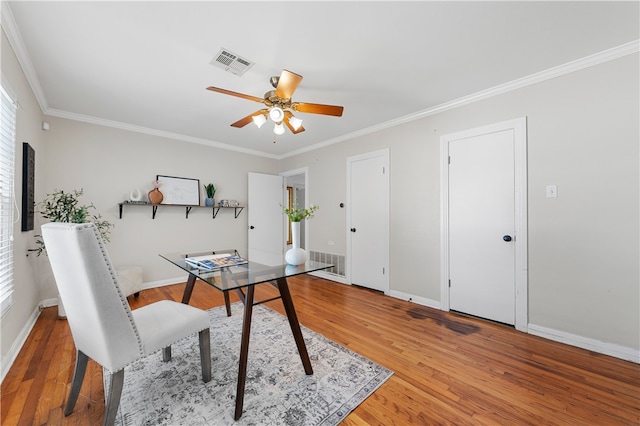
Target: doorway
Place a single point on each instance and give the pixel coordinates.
(295, 183)
(484, 222)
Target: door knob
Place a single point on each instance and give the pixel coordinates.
(353, 229)
(507, 238)
(251, 227)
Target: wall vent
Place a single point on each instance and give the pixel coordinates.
(231, 62)
(336, 259)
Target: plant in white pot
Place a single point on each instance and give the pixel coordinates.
(61, 206)
(211, 191)
(296, 255)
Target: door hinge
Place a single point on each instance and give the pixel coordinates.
(449, 160)
(383, 170)
(383, 270)
(449, 283)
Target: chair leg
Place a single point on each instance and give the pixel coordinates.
(166, 354)
(116, 381)
(205, 354)
(76, 383)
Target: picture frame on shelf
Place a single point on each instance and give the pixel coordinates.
(179, 191)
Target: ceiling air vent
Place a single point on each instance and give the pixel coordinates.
(231, 62)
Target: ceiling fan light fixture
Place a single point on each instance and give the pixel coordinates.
(295, 122)
(276, 114)
(278, 129)
(259, 120)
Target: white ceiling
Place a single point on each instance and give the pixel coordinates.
(145, 65)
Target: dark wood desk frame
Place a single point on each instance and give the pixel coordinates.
(249, 302)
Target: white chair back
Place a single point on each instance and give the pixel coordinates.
(97, 311)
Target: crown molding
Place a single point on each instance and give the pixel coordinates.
(15, 40)
(154, 132)
(560, 70)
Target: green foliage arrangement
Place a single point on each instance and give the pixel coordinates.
(61, 206)
(210, 190)
(297, 214)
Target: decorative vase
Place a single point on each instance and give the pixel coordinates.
(296, 255)
(135, 195)
(208, 202)
(155, 196)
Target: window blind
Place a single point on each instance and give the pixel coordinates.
(7, 161)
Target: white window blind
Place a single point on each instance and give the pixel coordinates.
(7, 155)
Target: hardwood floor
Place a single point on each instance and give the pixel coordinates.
(448, 368)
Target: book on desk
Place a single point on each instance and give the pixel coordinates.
(215, 261)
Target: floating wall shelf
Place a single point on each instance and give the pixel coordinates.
(154, 208)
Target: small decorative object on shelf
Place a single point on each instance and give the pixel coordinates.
(135, 195)
(211, 191)
(297, 255)
(155, 196)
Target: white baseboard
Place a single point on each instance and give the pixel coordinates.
(416, 299)
(331, 277)
(611, 349)
(47, 303)
(11, 356)
(162, 283)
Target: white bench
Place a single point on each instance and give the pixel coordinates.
(130, 277)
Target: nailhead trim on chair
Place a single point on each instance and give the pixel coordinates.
(123, 299)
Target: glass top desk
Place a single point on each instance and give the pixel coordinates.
(243, 279)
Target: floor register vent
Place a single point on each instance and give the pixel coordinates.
(335, 259)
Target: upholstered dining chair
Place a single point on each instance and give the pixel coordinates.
(103, 326)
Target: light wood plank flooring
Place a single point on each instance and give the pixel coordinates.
(448, 368)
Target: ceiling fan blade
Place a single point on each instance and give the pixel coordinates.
(287, 115)
(318, 108)
(248, 119)
(239, 95)
(287, 84)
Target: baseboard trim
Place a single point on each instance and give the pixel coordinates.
(10, 357)
(163, 283)
(611, 349)
(330, 277)
(416, 299)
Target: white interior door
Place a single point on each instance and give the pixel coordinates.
(368, 220)
(266, 220)
(482, 265)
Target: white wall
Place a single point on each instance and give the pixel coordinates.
(108, 163)
(583, 136)
(26, 291)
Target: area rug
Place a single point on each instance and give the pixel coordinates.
(277, 390)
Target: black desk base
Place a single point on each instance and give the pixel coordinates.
(249, 302)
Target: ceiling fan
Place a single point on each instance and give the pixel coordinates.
(280, 108)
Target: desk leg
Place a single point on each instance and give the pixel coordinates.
(244, 350)
(227, 303)
(295, 325)
(225, 284)
(191, 281)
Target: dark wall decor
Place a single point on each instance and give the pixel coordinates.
(28, 181)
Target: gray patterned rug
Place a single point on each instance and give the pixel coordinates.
(277, 390)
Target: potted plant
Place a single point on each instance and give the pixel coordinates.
(61, 206)
(211, 191)
(297, 255)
